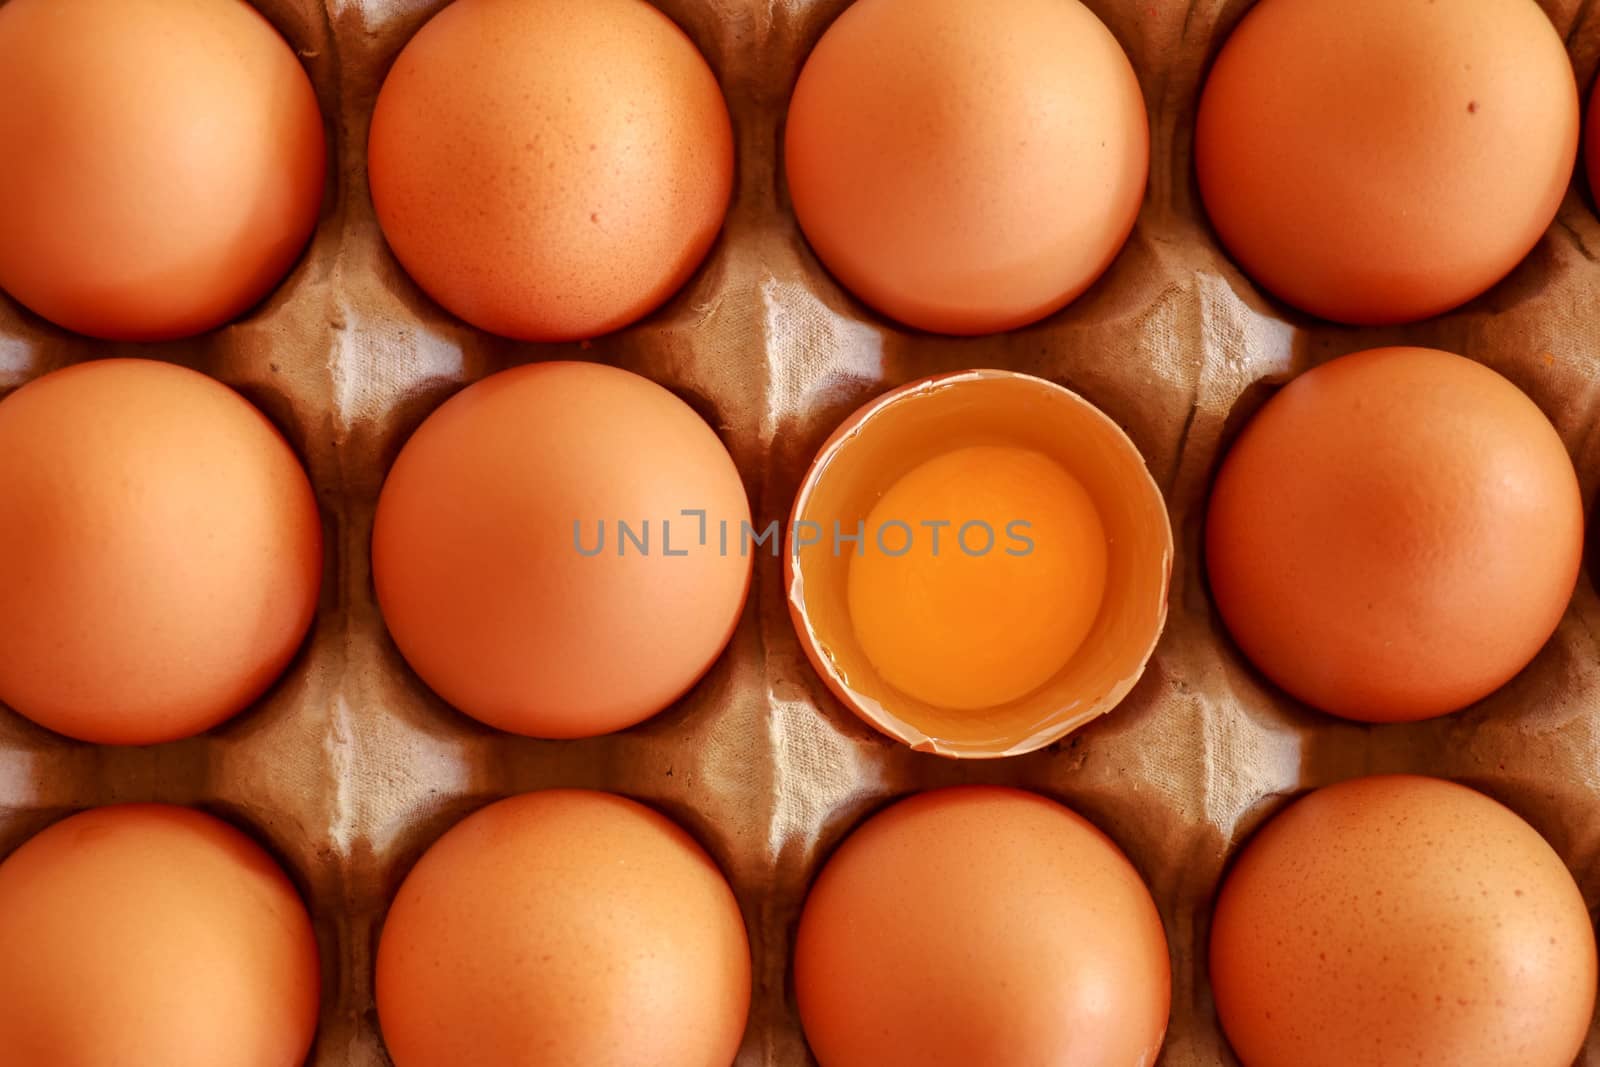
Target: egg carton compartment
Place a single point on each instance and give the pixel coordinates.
(349, 767)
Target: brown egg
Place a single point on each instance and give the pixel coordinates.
(967, 168)
(1395, 535)
(152, 936)
(1382, 161)
(164, 162)
(1388, 922)
(558, 549)
(551, 169)
(981, 926)
(160, 552)
(564, 927)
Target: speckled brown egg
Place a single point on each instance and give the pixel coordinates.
(965, 167)
(559, 549)
(1395, 921)
(160, 552)
(550, 170)
(1381, 161)
(1395, 535)
(153, 936)
(560, 929)
(164, 162)
(984, 926)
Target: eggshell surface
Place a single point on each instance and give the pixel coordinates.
(503, 569)
(1398, 920)
(164, 162)
(967, 168)
(1395, 535)
(564, 929)
(160, 552)
(1383, 161)
(550, 169)
(152, 936)
(981, 926)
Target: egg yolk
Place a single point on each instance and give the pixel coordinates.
(977, 577)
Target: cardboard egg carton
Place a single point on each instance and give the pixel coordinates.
(349, 767)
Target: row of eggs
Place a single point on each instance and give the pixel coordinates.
(1382, 921)
(556, 169)
(977, 563)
